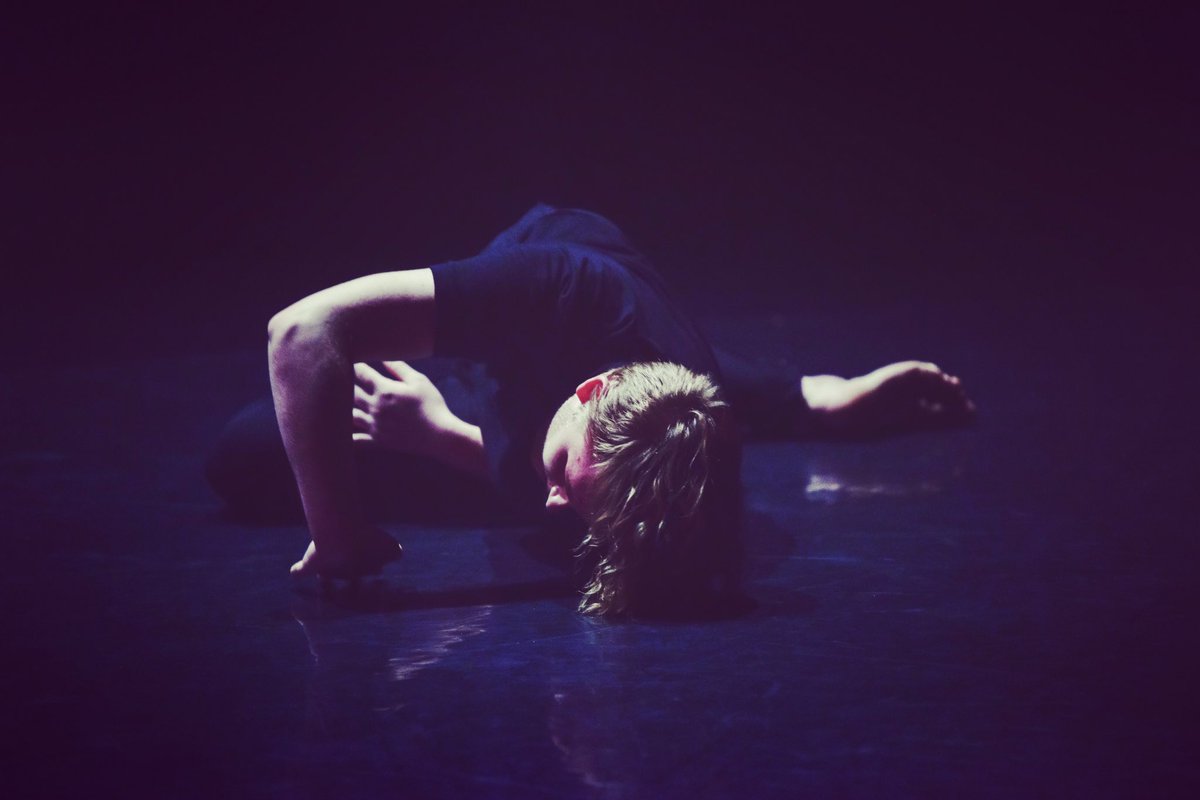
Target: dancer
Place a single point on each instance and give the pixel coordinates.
(598, 397)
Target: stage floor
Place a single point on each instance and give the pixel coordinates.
(1002, 611)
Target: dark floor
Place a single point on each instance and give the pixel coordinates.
(1006, 611)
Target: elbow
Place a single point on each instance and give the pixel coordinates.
(284, 328)
(294, 332)
(281, 327)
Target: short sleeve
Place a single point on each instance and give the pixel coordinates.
(539, 302)
(495, 303)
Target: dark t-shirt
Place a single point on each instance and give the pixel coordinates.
(557, 298)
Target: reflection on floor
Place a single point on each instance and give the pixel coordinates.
(1005, 611)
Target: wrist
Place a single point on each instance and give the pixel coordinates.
(363, 550)
(458, 444)
(444, 429)
(825, 393)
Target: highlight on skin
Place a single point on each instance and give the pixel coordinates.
(665, 516)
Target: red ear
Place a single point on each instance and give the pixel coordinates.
(588, 389)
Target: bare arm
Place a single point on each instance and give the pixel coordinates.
(313, 345)
(900, 397)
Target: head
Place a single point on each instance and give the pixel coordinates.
(648, 455)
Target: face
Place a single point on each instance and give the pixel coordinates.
(566, 455)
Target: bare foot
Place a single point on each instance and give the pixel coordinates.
(901, 397)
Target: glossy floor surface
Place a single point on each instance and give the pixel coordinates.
(1003, 611)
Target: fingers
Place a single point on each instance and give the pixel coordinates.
(400, 369)
(363, 422)
(957, 396)
(368, 377)
(307, 565)
(948, 402)
(374, 554)
(363, 438)
(362, 400)
(930, 408)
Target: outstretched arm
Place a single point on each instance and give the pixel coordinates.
(313, 345)
(900, 397)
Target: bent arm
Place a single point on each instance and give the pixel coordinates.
(313, 345)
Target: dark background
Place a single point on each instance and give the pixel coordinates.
(1007, 610)
(174, 176)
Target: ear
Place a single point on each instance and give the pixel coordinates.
(589, 388)
(557, 498)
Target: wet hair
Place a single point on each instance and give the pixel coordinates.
(665, 515)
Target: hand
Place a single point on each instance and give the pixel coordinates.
(404, 412)
(366, 552)
(900, 397)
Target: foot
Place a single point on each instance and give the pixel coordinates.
(901, 397)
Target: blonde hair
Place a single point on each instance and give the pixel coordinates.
(665, 515)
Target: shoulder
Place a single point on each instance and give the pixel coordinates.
(502, 298)
(556, 272)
